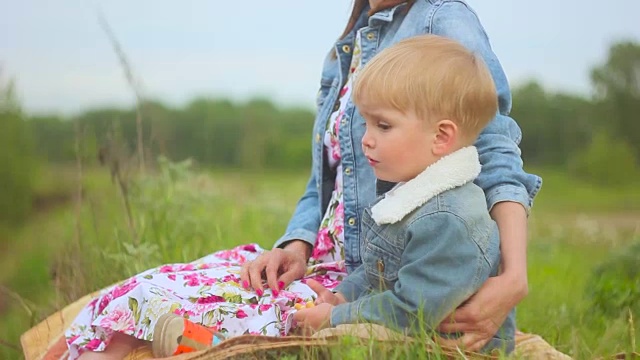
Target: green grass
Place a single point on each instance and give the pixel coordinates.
(52, 261)
(561, 194)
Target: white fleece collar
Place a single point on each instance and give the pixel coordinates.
(453, 170)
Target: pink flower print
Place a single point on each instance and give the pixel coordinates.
(265, 307)
(191, 280)
(72, 339)
(344, 91)
(217, 326)
(240, 314)
(335, 152)
(184, 313)
(231, 278)
(210, 299)
(339, 212)
(125, 288)
(326, 281)
(166, 269)
(336, 126)
(249, 248)
(323, 243)
(104, 302)
(205, 266)
(187, 267)
(93, 344)
(172, 277)
(119, 319)
(335, 267)
(92, 304)
(205, 280)
(224, 254)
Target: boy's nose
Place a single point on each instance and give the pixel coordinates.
(367, 141)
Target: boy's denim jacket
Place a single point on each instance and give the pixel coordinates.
(429, 244)
(502, 177)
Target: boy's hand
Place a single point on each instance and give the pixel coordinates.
(325, 295)
(315, 318)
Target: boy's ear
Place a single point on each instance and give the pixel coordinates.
(445, 138)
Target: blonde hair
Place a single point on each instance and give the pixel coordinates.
(436, 78)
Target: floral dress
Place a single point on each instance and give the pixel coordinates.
(208, 290)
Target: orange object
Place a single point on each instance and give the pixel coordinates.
(174, 335)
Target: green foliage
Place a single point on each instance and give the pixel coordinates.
(214, 133)
(614, 285)
(617, 85)
(190, 214)
(53, 138)
(554, 125)
(16, 160)
(606, 161)
(258, 135)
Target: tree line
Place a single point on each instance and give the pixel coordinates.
(596, 138)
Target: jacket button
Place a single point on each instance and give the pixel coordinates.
(371, 36)
(346, 48)
(352, 221)
(317, 138)
(380, 265)
(347, 171)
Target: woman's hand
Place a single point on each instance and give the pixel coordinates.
(278, 266)
(482, 315)
(325, 295)
(314, 319)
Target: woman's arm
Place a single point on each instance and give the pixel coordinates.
(508, 188)
(481, 316)
(511, 218)
(306, 218)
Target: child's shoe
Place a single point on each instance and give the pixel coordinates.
(175, 335)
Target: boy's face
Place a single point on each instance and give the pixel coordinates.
(398, 145)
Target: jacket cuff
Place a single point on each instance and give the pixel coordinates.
(513, 194)
(298, 234)
(344, 314)
(348, 290)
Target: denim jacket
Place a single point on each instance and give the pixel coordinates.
(502, 177)
(429, 244)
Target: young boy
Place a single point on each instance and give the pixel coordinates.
(429, 242)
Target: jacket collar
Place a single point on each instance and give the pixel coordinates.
(451, 171)
(385, 15)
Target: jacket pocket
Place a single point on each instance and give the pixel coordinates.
(381, 265)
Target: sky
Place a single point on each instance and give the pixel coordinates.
(62, 62)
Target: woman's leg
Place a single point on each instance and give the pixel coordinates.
(118, 348)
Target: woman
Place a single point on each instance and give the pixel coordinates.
(509, 190)
(322, 239)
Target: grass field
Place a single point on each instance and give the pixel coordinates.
(66, 251)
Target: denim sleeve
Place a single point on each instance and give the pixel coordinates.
(441, 266)
(305, 221)
(354, 285)
(502, 177)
